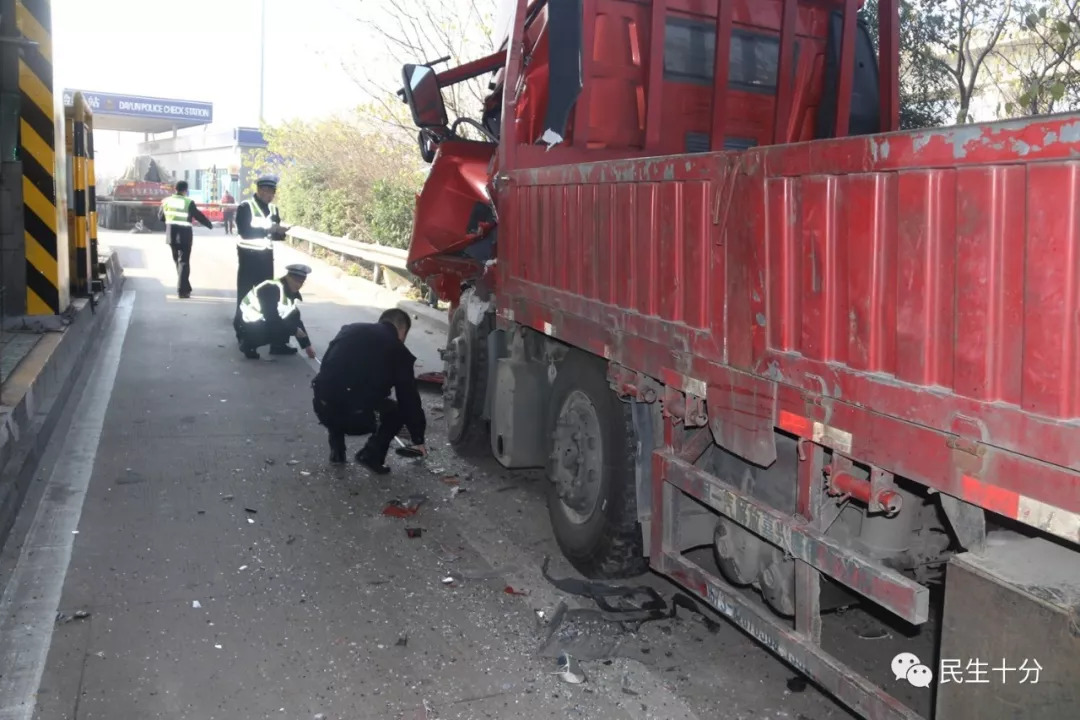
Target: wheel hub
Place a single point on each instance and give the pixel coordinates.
(577, 456)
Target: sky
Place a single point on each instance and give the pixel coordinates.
(209, 50)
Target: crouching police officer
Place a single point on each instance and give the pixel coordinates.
(352, 390)
(269, 315)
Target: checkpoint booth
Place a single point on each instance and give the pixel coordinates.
(134, 199)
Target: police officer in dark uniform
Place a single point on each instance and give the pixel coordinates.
(352, 390)
(269, 315)
(258, 223)
(179, 214)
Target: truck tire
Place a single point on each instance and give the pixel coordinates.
(592, 497)
(465, 384)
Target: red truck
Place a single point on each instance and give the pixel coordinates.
(768, 346)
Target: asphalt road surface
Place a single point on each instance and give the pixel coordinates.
(208, 564)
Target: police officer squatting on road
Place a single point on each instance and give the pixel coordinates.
(258, 223)
(178, 211)
(270, 315)
(352, 389)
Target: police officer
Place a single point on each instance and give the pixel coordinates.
(269, 315)
(177, 212)
(258, 223)
(352, 390)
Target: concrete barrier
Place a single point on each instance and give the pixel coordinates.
(33, 398)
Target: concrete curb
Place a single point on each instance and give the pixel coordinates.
(29, 421)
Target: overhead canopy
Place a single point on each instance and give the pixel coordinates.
(137, 113)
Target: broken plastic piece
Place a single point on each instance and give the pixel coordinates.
(509, 590)
(403, 640)
(570, 670)
(414, 532)
(397, 508)
(249, 510)
(196, 604)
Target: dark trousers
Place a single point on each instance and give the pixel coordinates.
(252, 267)
(254, 335)
(181, 250)
(230, 221)
(342, 416)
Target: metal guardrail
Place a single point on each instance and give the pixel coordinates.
(378, 255)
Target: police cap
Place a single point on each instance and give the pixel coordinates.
(300, 271)
(267, 181)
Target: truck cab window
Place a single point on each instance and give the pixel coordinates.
(690, 51)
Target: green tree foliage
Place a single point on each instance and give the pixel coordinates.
(1038, 62)
(954, 53)
(343, 177)
(926, 95)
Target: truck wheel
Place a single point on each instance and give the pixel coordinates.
(465, 384)
(592, 497)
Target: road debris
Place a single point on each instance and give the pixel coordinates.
(195, 604)
(64, 618)
(250, 510)
(451, 480)
(570, 670)
(404, 509)
(509, 590)
(414, 532)
(403, 640)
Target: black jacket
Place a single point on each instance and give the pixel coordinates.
(363, 364)
(269, 295)
(243, 221)
(182, 233)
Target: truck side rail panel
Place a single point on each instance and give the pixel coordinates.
(909, 299)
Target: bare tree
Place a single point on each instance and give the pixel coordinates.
(1038, 64)
(962, 34)
(418, 31)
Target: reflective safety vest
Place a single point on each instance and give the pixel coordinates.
(258, 220)
(251, 310)
(176, 210)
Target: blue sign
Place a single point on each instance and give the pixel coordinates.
(138, 106)
(250, 137)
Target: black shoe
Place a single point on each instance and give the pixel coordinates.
(184, 295)
(337, 457)
(249, 352)
(365, 459)
(283, 350)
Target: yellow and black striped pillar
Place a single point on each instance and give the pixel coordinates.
(91, 198)
(47, 291)
(75, 132)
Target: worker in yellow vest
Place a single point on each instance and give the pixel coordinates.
(178, 212)
(270, 314)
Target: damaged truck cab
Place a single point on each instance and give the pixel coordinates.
(765, 344)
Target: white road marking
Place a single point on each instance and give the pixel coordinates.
(32, 596)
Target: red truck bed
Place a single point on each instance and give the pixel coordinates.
(911, 300)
